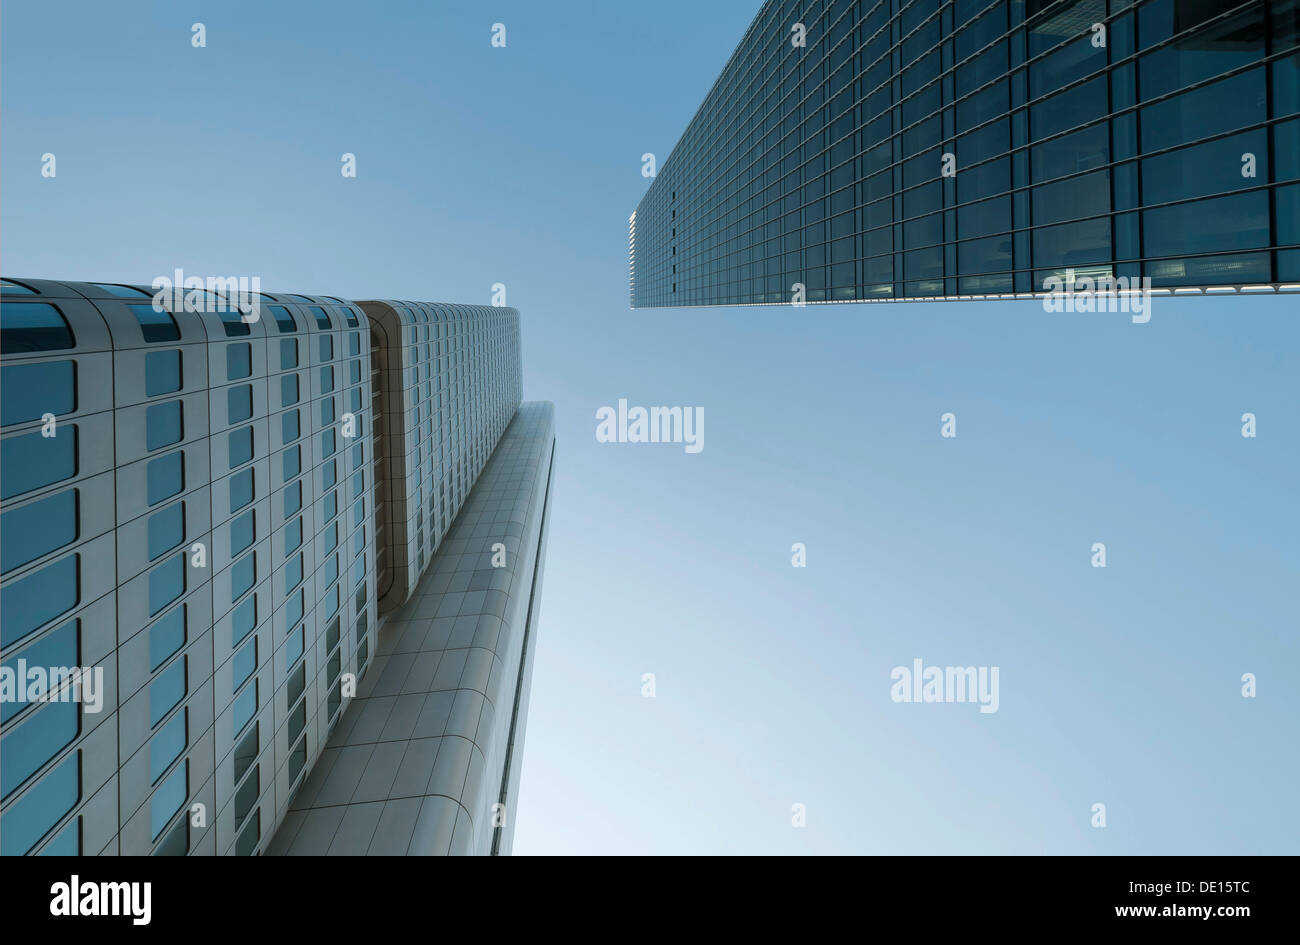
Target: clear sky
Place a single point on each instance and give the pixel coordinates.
(521, 165)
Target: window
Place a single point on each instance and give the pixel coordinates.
(33, 326)
(59, 647)
(241, 533)
(326, 380)
(292, 462)
(163, 425)
(246, 842)
(241, 490)
(33, 530)
(246, 752)
(293, 572)
(122, 291)
(177, 841)
(288, 390)
(1241, 222)
(245, 707)
(156, 326)
(239, 404)
(67, 842)
(167, 745)
(29, 391)
(327, 409)
(289, 426)
(292, 535)
(240, 446)
(27, 747)
(293, 608)
(166, 691)
(166, 637)
(162, 372)
(294, 688)
(243, 665)
(294, 650)
(327, 347)
(166, 583)
(239, 361)
(243, 575)
(170, 798)
(292, 499)
(35, 814)
(165, 476)
(34, 600)
(243, 619)
(322, 320)
(166, 530)
(284, 321)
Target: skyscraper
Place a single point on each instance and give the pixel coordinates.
(225, 518)
(856, 150)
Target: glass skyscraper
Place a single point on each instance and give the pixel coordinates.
(244, 526)
(885, 149)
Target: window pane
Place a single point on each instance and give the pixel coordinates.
(29, 391)
(38, 598)
(166, 530)
(241, 446)
(57, 648)
(166, 583)
(29, 745)
(166, 476)
(244, 619)
(38, 811)
(239, 404)
(166, 637)
(154, 325)
(284, 319)
(163, 425)
(241, 490)
(162, 372)
(167, 745)
(241, 533)
(239, 361)
(32, 326)
(170, 798)
(37, 528)
(166, 691)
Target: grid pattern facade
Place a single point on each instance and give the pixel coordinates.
(452, 381)
(938, 149)
(188, 503)
(432, 740)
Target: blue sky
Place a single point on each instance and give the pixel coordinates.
(521, 165)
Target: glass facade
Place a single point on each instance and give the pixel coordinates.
(932, 149)
(190, 505)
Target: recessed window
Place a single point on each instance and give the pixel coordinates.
(33, 326)
(59, 647)
(243, 665)
(243, 619)
(292, 535)
(284, 320)
(292, 499)
(294, 649)
(327, 347)
(239, 404)
(239, 361)
(288, 390)
(166, 637)
(167, 745)
(34, 814)
(241, 533)
(167, 690)
(166, 530)
(34, 600)
(245, 707)
(29, 391)
(293, 572)
(166, 583)
(241, 446)
(163, 425)
(246, 752)
(156, 326)
(165, 476)
(243, 575)
(322, 320)
(326, 380)
(241, 490)
(36, 529)
(28, 746)
(162, 372)
(170, 798)
(292, 462)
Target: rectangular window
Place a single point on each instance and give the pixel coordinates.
(245, 707)
(243, 665)
(293, 608)
(29, 391)
(242, 533)
(165, 476)
(166, 583)
(162, 372)
(36, 813)
(322, 320)
(292, 535)
(166, 530)
(166, 637)
(326, 412)
(163, 425)
(36, 529)
(241, 446)
(294, 688)
(170, 798)
(292, 499)
(241, 490)
(239, 404)
(326, 380)
(288, 390)
(294, 649)
(243, 619)
(27, 747)
(59, 647)
(167, 745)
(293, 573)
(154, 325)
(290, 427)
(326, 347)
(166, 691)
(284, 320)
(292, 461)
(177, 841)
(33, 326)
(239, 361)
(246, 752)
(246, 842)
(34, 600)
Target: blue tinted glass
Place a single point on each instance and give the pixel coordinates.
(292, 462)
(166, 583)
(289, 425)
(122, 291)
(283, 318)
(326, 380)
(239, 361)
(292, 499)
(243, 665)
(322, 320)
(166, 637)
(233, 324)
(162, 372)
(351, 316)
(327, 347)
(330, 474)
(354, 343)
(241, 446)
(166, 530)
(354, 372)
(31, 461)
(293, 609)
(294, 648)
(9, 287)
(163, 425)
(293, 573)
(57, 648)
(243, 575)
(31, 818)
(241, 533)
(331, 569)
(167, 745)
(68, 842)
(327, 443)
(166, 476)
(292, 535)
(166, 691)
(29, 391)
(170, 798)
(326, 412)
(156, 326)
(241, 490)
(38, 598)
(288, 354)
(40, 737)
(33, 326)
(288, 390)
(245, 708)
(244, 619)
(331, 505)
(37, 528)
(239, 404)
